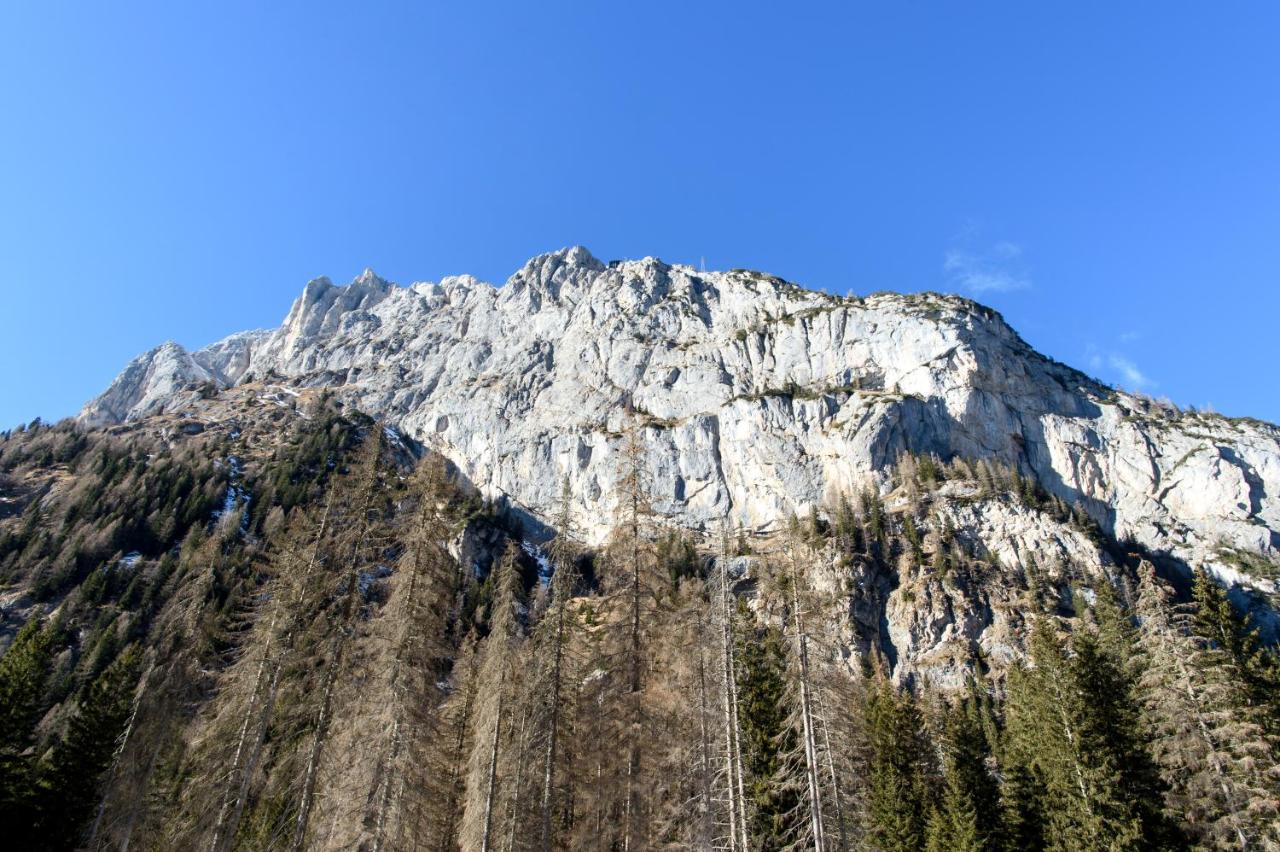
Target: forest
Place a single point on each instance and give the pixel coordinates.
(319, 639)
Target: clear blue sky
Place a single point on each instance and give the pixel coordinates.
(1105, 174)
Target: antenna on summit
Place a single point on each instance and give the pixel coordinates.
(704, 263)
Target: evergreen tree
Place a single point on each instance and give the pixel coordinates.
(1116, 633)
(898, 801)
(23, 672)
(1217, 619)
(953, 825)
(1077, 732)
(70, 778)
(1214, 754)
(766, 736)
(968, 817)
(1022, 793)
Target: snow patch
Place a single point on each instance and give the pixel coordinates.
(366, 579)
(393, 436)
(545, 569)
(1228, 577)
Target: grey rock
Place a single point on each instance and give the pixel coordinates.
(755, 398)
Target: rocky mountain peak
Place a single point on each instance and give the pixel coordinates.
(552, 276)
(755, 399)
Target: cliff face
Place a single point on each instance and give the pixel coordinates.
(756, 399)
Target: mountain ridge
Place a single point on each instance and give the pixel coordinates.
(756, 398)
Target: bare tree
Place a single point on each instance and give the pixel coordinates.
(277, 645)
(557, 633)
(422, 610)
(497, 659)
(353, 551)
(732, 728)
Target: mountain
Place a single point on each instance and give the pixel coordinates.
(635, 556)
(758, 399)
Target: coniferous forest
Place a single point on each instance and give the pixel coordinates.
(313, 636)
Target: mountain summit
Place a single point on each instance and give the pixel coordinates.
(629, 555)
(757, 398)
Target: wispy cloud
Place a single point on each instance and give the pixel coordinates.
(1117, 365)
(994, 269)
(1129, 371)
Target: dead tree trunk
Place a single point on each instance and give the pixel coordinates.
(249, 749)
(812, 769)
(562, 588)
(492, 784)
(345, 629)
(732, 728)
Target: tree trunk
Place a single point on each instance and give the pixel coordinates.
(493, 776)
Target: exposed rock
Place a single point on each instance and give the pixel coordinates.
(756, 399)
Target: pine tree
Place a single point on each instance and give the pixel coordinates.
(23, 672)
(70, 779)
(898, 803)
(1217, 619)
(1214, 754)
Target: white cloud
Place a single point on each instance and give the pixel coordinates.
(997, 269)
(1129, 371)
(1108, 360)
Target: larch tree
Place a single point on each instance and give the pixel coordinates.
(491, 718)
(355, 550)
(1213, 752)
(554, 641)
(419, 619)
(251, 688)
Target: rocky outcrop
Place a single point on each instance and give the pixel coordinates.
(755, 398)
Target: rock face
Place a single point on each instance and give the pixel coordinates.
(754, 398)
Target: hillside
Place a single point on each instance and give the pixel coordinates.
(633, 556)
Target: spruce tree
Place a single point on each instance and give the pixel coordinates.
(1022, 793)
(968, 816)
(1217, 619)
(23, 672)
(766, 736)
(70, 778)
(1214, 754)
(898, 803)
(1075, 729)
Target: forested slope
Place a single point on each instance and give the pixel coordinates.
(279, 625)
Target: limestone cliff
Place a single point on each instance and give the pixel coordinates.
(756, 399)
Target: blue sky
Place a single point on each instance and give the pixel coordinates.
(1106, 175)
